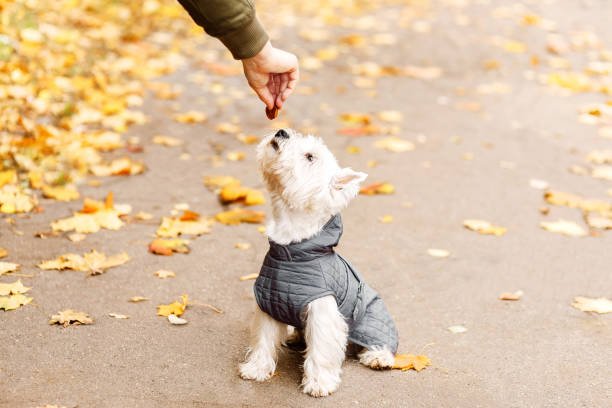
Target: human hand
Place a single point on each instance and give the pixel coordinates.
(273, 74)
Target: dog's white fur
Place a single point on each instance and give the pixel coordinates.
(307, 187)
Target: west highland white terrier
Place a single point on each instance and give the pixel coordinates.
(303, 282)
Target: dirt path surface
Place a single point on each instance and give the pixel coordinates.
(483, 125)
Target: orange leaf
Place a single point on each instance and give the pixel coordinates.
(377, 188)
(406, 362)
(167, 247)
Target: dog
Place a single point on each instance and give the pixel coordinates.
(303, 282)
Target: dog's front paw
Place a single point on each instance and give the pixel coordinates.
(321, 386)
(256, 370)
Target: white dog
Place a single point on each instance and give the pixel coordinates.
(303, 282)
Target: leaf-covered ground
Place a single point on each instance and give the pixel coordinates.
(132, 214)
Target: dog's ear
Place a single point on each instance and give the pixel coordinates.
(346, 177)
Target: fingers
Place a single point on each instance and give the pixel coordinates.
(293, 78)
(284, 82)
(266, 96)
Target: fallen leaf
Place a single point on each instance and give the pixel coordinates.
(406, 362)
(250, 276)
(353, 149)
(60, 193)
(118, 316)
(13, 302)
(457, 329)
(593, 220)
(164, 274)
(136, 299)
(190, 117)
(239, 215)
(575, 201)
(564, 227)
(248, 139)
(438, 253)
(93, 216)
(394, 144)
(235, 156)
(3, 252)
(172, 318)
(386, 219)
(242, 245)
(218, 182)
(188, 224)
(596, 305)
(538, 184)
(123, 166)
(233, 193)
(377, 188)
(167, 141)
(70, 317)
(226, 127)
(175, 308)
(602, 172)
(511, 295)
(14, 288)
(93, 262)
(8, 267)
(484, 227)
(167, 247)
(390, 116)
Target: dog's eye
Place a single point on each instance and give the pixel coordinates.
(309, 157)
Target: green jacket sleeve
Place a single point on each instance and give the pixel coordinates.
(232, 21)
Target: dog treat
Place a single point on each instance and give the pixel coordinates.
(272, 113)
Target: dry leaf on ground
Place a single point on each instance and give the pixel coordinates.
(118, 316)
(3, 252)
(13, 288)
(175, 308)
(242, 245)
(438, 253)
(164, 274)
(239, 215)
(190, 117)
(172, 318)
(70, 317)
(12, 295)
(457, 329)
(564, 227)
(385, 219)
(8, 267)
(377, 188)
(250, 276)
(166, 247)
(136, 299)
(596, 305)
(394, 144)
(167, 141)
(484, 227)
(93, 262)
(93, 216)
(60, 193)
(234, 192)
(189, 223)
(511, 295)
(406, 362)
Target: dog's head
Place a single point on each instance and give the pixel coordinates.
(301, 172)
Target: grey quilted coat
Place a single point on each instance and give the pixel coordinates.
(294, 275)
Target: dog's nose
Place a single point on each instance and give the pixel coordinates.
(282, 134)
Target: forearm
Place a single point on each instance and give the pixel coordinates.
(232, 21)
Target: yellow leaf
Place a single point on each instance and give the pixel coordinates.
(596, 305)
(514, 46)
(70, 317)
(167, 141)
(14, 288)
(236, 156)
(3, 252)
(394, 144)
(250, 276)
(248, 139)
(511, 295)
(164, 274)
(386, 219)
(353, 149)
(390, 116)
(406, 362)
(118, 316)
(484, 227)
(216, 182)
(235, 193)
(60, 193)
(227, 127)
(438, 253)
(175, 308)
(242, 245)
(14, 199)
(93, 262)
(238, 215)
(190, 117)
(8, 177)
(8, 267)
(564, 227)
(13, 302)
(136, 299)
(172, 227)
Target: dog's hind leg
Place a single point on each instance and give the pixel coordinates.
(266, 336)
(326, 337)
